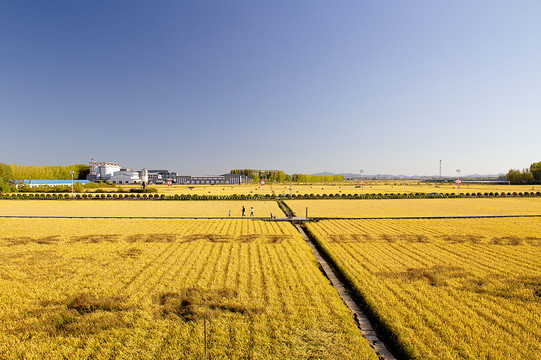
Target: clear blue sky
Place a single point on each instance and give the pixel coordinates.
(302, 86)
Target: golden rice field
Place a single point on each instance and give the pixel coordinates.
(370, 187)
(127, 208)
(446, 288)
(146, 289)
(416, 207)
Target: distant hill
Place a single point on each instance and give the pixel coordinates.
(326, 174)
(389, 176)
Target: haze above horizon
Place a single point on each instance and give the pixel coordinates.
(306, 86)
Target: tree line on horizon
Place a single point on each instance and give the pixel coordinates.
(10, 172)
(530, 175)
(280, 176)
(48, 172)
(6, 175)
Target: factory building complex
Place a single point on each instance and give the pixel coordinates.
(112, 172)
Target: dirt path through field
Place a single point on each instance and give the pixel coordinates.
(364, 324)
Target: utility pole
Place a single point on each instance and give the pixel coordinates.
(205, 332)
(290, 188)
(440, 169)
(71, 173)
(458, 181)
(362, 182)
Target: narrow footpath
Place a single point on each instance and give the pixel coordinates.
(362, 321)
(364, 324)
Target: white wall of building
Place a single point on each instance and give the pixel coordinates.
(125, 177)
(112, 172)
(107, 169)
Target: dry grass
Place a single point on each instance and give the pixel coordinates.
(417, 207)
(370, 187)
(195, 303)
(436, 275)
(147, 238)
(127, 208)
(144, 289)
(446, 288)
(76, 315)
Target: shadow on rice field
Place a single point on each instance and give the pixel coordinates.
(195, 303)
(522, 288)
(146, 238)
(76, 315)
(421, 238)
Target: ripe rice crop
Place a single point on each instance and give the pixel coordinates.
(347, 187)
(416, 207)
(147, 289)
(128, 208)
(445, 288)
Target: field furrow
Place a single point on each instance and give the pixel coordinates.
(141, 289)
(445, 288)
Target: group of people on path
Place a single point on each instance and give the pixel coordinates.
(244, 212)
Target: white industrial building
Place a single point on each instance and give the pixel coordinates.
(161, 176)
(236, 179)
(112, 172)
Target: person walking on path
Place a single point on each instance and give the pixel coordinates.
(243, 210)
(252, 211)
(229, 213)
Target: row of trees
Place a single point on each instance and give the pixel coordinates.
(24, 172)
(526, 176)
(134, 193)
(256, 175)
(280, 176)
(316, 178)
(78, 187)
(5, 176)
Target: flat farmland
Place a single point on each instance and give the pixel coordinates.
(146, 289)
(445, 288)
(347, 187)
(416, 207)
(127, 208)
